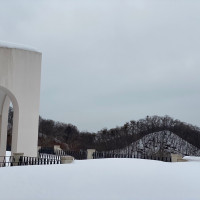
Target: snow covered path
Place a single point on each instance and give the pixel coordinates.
(104, 179)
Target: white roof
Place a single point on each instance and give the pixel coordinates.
(16, 46)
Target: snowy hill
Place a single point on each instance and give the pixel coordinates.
(162, 142)
(103, 179)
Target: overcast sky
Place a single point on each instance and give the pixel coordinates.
(106, 62)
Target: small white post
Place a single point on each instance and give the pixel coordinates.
(66, 159)
(177, 158)
(38, 149)
(90, 153)
(16, 157)
(57, 147)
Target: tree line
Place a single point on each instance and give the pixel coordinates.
(69, 137)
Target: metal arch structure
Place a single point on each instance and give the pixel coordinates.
(20, 75)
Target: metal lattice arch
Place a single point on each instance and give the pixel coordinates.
(20, 74)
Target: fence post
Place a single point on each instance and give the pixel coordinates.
(16, 157)
(90, 153)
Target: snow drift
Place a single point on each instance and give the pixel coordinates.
(103, 179)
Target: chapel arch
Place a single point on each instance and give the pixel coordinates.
(6, 98)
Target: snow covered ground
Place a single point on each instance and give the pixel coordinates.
(103, 179)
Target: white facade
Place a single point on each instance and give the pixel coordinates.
(20, 72)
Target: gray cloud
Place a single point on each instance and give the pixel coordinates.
(108, 62)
